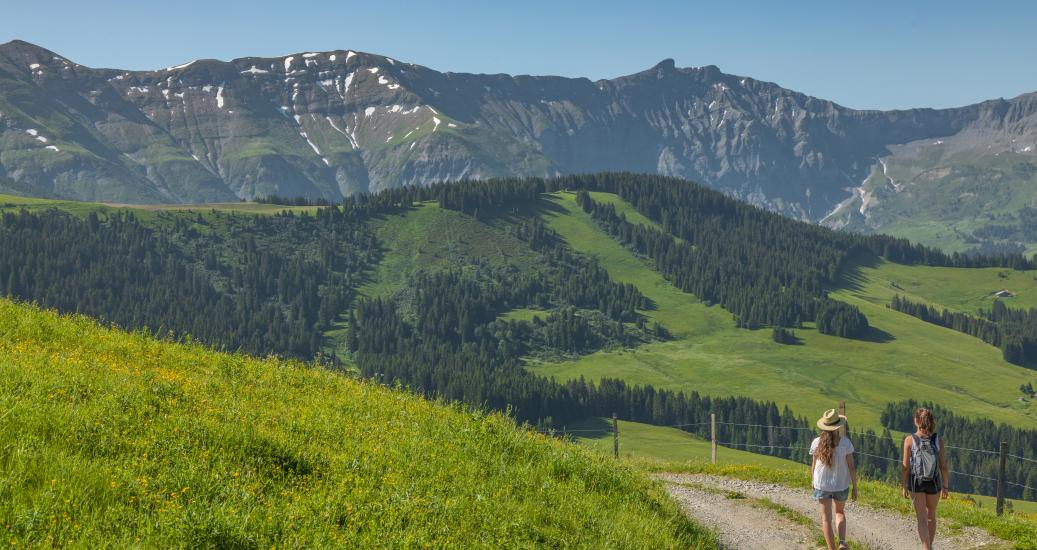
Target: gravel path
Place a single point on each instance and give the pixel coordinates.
(742, 525)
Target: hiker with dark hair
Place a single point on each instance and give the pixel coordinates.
(924, 474)
(833, 471)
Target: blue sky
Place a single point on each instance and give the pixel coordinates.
(866, 54)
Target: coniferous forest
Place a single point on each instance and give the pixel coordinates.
(1012, 330)
(280, 283)
(259, 284)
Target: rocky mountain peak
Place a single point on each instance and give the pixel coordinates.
(333, 123)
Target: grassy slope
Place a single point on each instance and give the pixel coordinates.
(13, 202)
(709, 354)
(115, 439)
(430, 237)
(639, 440)
(908, 358)
(958, 289)
(949, 195)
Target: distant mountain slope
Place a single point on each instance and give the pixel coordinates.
(974, 189)
(330, 124)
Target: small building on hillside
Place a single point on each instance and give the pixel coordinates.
(1004, 293)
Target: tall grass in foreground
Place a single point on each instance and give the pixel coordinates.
(115, 439)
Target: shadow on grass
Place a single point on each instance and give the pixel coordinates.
(590, 428)
(877, 336)
(850, 276)
(791, 340)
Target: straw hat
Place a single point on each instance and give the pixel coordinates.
(831, 421)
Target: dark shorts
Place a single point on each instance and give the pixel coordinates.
(841, 496)
(930, 487)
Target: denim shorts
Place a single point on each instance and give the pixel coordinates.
(841, 496)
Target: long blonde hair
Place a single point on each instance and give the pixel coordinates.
(826, 447)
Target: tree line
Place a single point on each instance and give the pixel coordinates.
(1014, 331)
(760, 279)
(258, 284)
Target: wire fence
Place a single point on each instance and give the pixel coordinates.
(767, 447)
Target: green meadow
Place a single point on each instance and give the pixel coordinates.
(637, 441)
(114, 439)
(904, 358)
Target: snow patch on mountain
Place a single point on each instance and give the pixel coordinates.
(184, 66)
(349, 80)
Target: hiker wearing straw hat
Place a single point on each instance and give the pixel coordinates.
(835, 476)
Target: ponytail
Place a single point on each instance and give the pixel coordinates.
(925, 421)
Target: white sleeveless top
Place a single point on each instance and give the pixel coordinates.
(837, 477)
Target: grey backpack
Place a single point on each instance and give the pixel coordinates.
(925, 458)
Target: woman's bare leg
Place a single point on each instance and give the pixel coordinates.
(840, 519)
(826, 523)
(922, 515)
(930, 504)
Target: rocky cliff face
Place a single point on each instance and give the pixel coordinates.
(328, 124)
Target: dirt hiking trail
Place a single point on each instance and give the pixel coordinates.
(752, 514)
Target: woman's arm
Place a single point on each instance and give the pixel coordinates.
(945, 472)
(853, 475)
(905, 465)
(813, 461)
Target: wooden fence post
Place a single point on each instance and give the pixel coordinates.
(842, 411)
(615, 436)
(713, 431)
(1001, 479)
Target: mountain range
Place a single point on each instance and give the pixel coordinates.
(331, 124)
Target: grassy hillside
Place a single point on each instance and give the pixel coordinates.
(13, 202)
(904, 358)
(432, 238)
(959, 289)
(952, 199)
(644, 441)
(116, 439)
